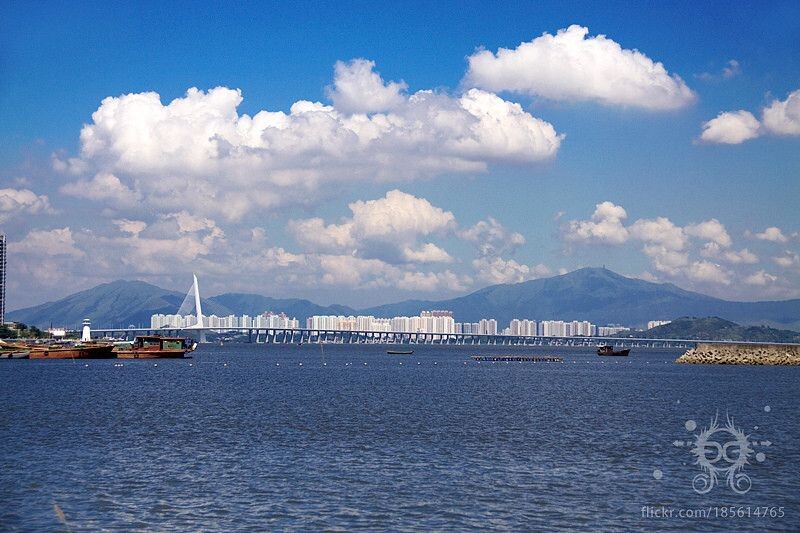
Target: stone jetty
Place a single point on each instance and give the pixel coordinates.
(742, 354)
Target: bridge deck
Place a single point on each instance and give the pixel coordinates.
(303, 335)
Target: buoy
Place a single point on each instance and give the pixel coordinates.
(301, 364)
(155, 364)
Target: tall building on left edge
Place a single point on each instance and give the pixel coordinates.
(2, 279)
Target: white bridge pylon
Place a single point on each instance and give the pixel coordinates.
(196, 289)
(187, 305)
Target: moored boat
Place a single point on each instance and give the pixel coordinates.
(399, 352)
(77, 351)
(155, 347)
(609, 350)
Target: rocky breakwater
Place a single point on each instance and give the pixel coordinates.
(742, 354)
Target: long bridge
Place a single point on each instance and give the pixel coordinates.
(272, 335)
(330, 336)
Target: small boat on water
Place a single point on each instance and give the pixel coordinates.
(155, 347)
(609, 350)
(399, 352)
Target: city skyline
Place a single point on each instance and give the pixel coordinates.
(309, 155)
(433, 322)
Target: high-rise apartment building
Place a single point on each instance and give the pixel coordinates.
(2, 278)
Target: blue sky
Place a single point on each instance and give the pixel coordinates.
(687, 175)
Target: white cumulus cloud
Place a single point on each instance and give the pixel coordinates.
(781, 117)
(432, 281)
(710, 230)
(55, 242)
(605, 226)
(660, 231)
(731, 127)
(772, 234)
(134, 227)
(570, 66)
(357, 88)
(789, 259)
(388, 228)
(743, 256)
(708, 272)
(491, 238)
(103, 186)
(495, 270)
(199, 147)
(760, 278)
(14, 202)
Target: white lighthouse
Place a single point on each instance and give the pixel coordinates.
(86, 335)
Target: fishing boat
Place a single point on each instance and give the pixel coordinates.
(399, 352)
(76, 351)
(609, 350)
(155, 347)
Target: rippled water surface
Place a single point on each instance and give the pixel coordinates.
(266, 437)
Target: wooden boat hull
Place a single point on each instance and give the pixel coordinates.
(73, 352)
(14, 354)
(151, 354)
(154, 347)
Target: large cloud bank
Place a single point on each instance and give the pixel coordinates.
(199, 146)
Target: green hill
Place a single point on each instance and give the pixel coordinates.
(714, 328)
(116, 304)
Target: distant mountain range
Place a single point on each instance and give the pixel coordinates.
(602, 297)
(717, 329)
(595, 294)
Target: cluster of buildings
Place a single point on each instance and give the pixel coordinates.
(266, 320)
(436, 321)
(560, 328)
(443, 322)
(426, 322)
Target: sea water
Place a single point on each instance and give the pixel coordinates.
(247, 436)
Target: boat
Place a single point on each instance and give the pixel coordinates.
(14, 353)
(609, 350)
(76, 351)
(155, 347)
(399, 352)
